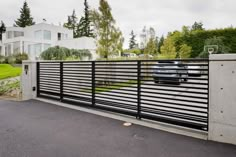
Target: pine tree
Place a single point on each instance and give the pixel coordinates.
(72, 23)
(80, 28)
(197, 26)
(25, 17)
(2, 30)
(84, 26)
(132, 41)
(69, 23)
(87, 20)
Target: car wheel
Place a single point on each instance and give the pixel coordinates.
(156, 80)
(179, 80)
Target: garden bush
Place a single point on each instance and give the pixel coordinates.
(20, 57)
(9, 86)
(62, 53)
(11, 60)
(2, 59)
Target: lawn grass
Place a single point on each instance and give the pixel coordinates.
(111, 87)
(8, 71)
(115, 86)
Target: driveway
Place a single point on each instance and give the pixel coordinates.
(37, 129)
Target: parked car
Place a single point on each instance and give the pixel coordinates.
(128, 54)
(170, 71)
(194, 70)
(145, 55)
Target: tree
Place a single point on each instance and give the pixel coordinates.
(132, 41)
(160, 44)
(216, 44)
(87, 19)
(220, 44)
(72, 23)
(25, 17)
(84, 25)
(69, 23)
(185, 51)
(109, 37)
(197, 26)
(151, 47)
(136, 51)
(168, 49)
(151, 33)
(80, 28)
(2, 29)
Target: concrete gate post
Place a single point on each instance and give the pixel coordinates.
(222, 98)
(28, 80)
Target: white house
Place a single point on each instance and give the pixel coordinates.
(33, 40)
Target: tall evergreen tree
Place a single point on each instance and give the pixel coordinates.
(132, 41)
(110, 40)
(84, 26)
(72, 23)
(25, 17)
(80, 32)
(2, 29)
(197, 26)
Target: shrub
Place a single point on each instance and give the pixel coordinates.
(2, 59)
(20, 57)
(11, 60)
(62, 53)
(8, 86)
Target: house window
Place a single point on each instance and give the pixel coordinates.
(16, 47)
(58, 36)
(8, 49)
(38, 34)
(30, 49)
(18, 34)
(62, 36)
(37, 49)
(9, 34)
(46, 35)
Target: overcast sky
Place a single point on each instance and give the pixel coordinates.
(163, 15)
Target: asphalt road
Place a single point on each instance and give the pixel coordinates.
(37, 129)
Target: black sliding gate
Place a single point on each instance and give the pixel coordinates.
(170, 91)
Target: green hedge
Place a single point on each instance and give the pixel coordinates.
(196, 39)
